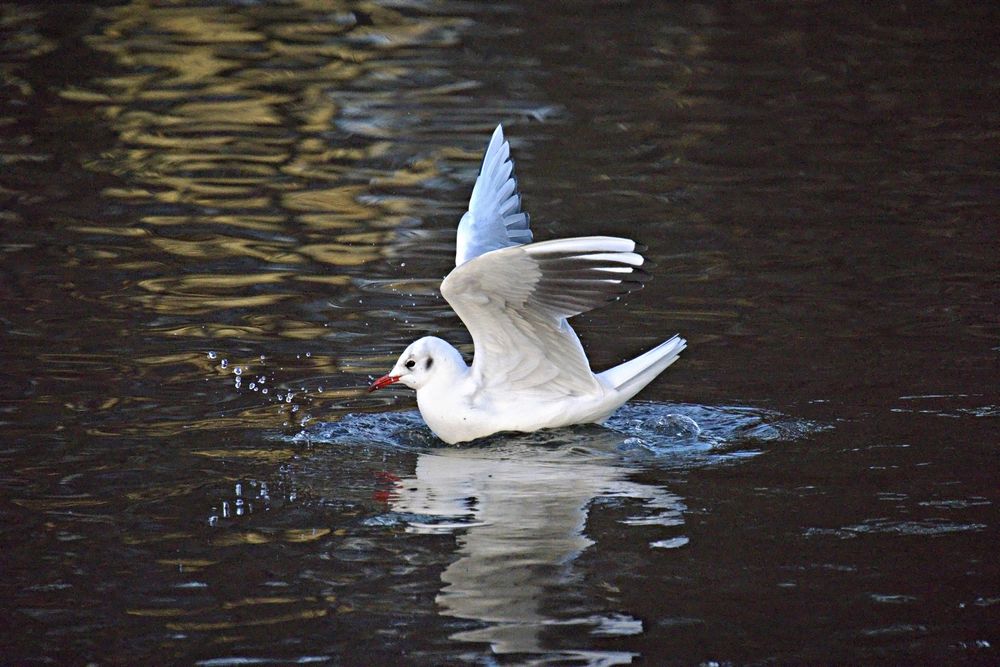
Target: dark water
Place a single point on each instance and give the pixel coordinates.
(219, 220)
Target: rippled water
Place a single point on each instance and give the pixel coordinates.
(220, 220)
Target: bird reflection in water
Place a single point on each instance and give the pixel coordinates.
(521, 509)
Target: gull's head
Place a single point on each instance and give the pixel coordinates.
(423, 360)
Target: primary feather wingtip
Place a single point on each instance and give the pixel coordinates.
(494, 218)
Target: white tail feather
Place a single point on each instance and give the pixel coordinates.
(629, 378)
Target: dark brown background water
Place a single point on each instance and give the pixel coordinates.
(190, 190)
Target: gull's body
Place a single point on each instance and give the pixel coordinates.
(529, 371)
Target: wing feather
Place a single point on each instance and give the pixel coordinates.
(494, 219)
(515, 302)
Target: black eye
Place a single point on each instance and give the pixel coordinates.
(429, 363)
(411, 363)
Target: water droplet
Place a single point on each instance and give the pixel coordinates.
(212, 355)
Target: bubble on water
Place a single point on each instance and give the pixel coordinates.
(320, 390)
(264, 390)
(239, 489)
(212, 355)
(253, 386)
(224, 363)
(262, 358)
(288, 399)
(280, 397)
(238, 371)
(675, 426)
(633, 443)
(309, 354)
(402, 264)
(261, 379)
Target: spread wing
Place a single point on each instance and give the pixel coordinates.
(494, 219)
(515, 302)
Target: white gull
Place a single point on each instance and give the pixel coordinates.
(529, 370)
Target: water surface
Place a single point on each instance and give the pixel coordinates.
(220, 220)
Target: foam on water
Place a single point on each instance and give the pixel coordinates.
(660, 429)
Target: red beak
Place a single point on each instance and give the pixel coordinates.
(383, 381)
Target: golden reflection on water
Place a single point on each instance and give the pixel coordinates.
(228, 149)
(273, 455)
(241, 623)
(252, 161)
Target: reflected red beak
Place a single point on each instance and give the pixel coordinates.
(383, 381)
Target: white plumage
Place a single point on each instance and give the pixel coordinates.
(529, 371)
